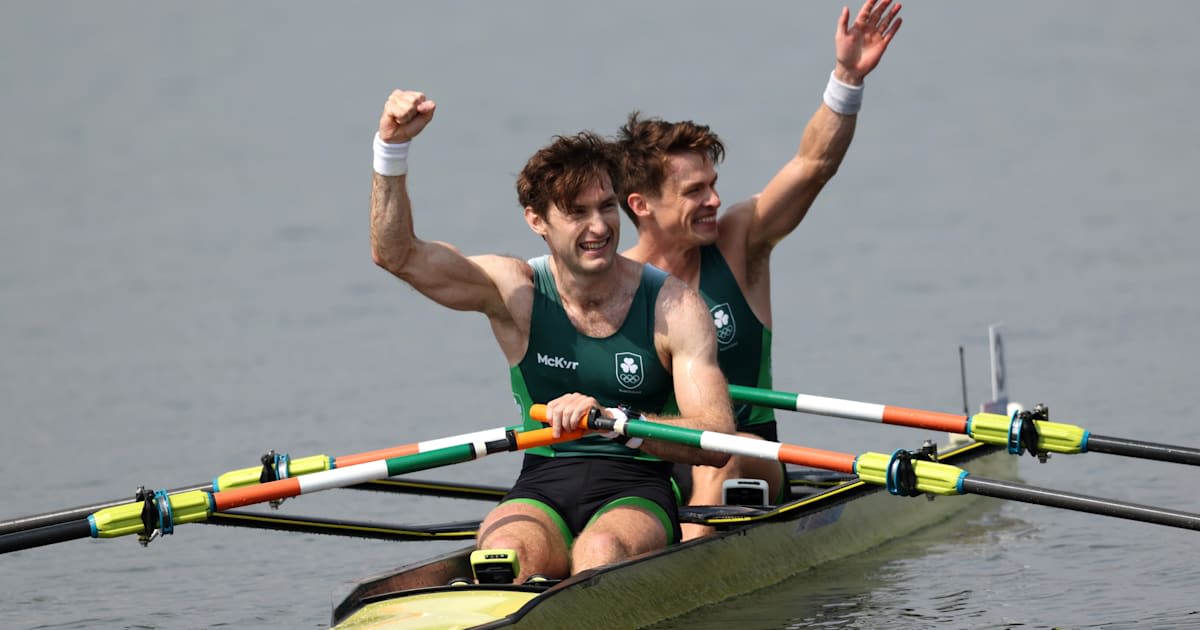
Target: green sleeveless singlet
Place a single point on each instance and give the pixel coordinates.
(621, 369)
(743, 343)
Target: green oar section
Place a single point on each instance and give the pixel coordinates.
(1030, 431)
(901, 472)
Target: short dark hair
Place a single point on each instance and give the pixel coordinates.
(559, 171)
(645, 144)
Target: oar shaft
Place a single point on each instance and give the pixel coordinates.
(990, 428)
(850, 409)
(719, 442)
(1143, 450)
(486, 435)
(880, 469)
(250, 476)
(45, 535)
(70, 514)
(1079, 502)
(733, 444)
(198, 505)
(369, 471)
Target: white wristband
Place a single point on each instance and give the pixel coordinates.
(843, 98)
(390, 159)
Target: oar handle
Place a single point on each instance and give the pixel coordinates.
(593, 421)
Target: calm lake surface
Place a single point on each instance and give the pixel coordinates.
(186, 282)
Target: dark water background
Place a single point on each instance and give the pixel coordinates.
(185, 279)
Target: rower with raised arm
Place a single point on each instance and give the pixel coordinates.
(581, 327)
(671, 196)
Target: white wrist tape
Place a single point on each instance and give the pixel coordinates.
(391, 159)
(843, 98)
(620, 419)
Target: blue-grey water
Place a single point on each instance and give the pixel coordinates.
(185, 279)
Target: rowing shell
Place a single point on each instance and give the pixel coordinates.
(753, 549)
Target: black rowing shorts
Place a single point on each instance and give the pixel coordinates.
(577, 489)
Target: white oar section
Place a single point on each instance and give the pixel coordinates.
(477, 438)
(839, 408)
(738, 445)
(341, 477)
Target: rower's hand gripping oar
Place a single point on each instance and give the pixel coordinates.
(156, 513)
(900, 472)
(1024, 431)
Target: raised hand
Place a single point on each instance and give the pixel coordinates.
(861, 45)
(404, 116)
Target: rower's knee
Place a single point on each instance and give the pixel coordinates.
(595, 549)
(538, 543)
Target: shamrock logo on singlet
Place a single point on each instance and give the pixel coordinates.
(723, 319)
(629, 369)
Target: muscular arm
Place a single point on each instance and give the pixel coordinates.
(438, 270)
(497, 286)
(684, 331)
(758, 224)
(791, 192)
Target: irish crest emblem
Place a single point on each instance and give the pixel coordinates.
(723, 319)
(629, 369)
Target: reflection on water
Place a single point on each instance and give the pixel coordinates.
(870, 590)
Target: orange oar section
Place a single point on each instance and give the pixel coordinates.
(261, 493)
(383, 453)
(817, 458)
(935, 420)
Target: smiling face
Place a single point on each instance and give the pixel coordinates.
(583, 236)
(687, 204)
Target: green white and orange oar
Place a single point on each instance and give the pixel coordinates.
(899, 472)
(277, 466)
(1024, 431)
(158, 512)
